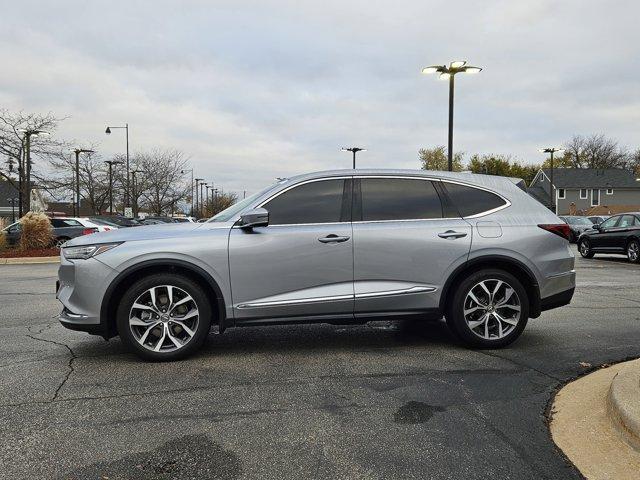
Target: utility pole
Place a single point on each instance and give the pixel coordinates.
(134, 191)
(197, 210)
(27, 141)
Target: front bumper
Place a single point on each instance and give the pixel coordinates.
(80, 289)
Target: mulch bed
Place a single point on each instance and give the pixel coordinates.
(41, 252)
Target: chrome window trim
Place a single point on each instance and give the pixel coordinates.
(406, 177)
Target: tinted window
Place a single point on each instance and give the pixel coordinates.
(399, 199)
(314, 202)
(471, 201)
(609, 222)
(637, 222)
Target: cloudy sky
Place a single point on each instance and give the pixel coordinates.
(253, 90)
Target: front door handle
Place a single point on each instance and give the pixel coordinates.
(452, 235)
(333, 238)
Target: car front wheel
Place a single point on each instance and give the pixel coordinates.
(489, 309)
(633, 251)
(584, 247)
(164, 317)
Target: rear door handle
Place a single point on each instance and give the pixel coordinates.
(451, 234)
(333, 238)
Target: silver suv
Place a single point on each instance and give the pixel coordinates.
(344, 246)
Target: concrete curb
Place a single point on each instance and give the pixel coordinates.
(623, 403)
(28, 260)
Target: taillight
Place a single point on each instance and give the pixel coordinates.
(88, 231)
(560, 229)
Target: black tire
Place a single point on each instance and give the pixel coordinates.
(633, 251)
(584, 247)
(455, 309)
(187, 285)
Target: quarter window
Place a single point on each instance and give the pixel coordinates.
(313, 202)
(472, 201)
(399, 199)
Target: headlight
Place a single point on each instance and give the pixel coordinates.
(87, 251)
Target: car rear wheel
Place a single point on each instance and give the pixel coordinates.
(489, 309)
(60, 241)
(633, 251)
(164, 317)
(584, 247)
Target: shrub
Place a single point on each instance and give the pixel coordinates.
(3, 242)
(36, 231)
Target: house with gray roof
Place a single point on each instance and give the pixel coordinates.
(585, 188)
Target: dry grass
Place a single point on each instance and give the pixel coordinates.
(36, 231)
(3, 242)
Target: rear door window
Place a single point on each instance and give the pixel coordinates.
(399, 199)
(472, 201)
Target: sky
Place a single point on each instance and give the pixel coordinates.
(254, 90)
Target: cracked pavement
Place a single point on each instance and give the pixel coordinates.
(377, 401)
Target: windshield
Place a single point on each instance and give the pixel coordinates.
(227, 214)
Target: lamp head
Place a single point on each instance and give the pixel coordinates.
(108, 131)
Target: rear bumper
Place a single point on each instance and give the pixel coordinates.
(558, 300)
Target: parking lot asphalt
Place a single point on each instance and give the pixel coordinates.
(383, 400)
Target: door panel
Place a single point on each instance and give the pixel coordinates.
(402, 265)
(404, 249)
(285, 270)
(604, 240)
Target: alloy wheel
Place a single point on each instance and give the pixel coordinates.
(164, 318)
(633, 251)
(584, 248)
(492, 309)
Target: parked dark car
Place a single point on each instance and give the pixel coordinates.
(64, 229)
(618, 234)
(115, 220)
(577, 225)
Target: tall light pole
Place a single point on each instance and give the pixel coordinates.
(198, 204)
(78, 151)
(134, 191)
(354, 150)
(551, 150)
(13, 201)
(201, 200)
(126, 193)
(28, 133)
(111, 163)
(449, 73)
(190, 171)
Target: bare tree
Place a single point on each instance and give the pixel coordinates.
(219, 202)
(163, 186)
(595, 151)
(12, 145)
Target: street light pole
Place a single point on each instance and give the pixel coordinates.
(134, 192)
(197, 210)
(354, 150)
(127, 202)
(13, 201)
(551, 150)
(448, 73)
(28, 134)
(78, 151)
(191, 171)
(111, 163)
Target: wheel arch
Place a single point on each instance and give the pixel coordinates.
(125, 279)
(508, 264)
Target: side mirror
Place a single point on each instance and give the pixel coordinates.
(597, 226)
(258, 217)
